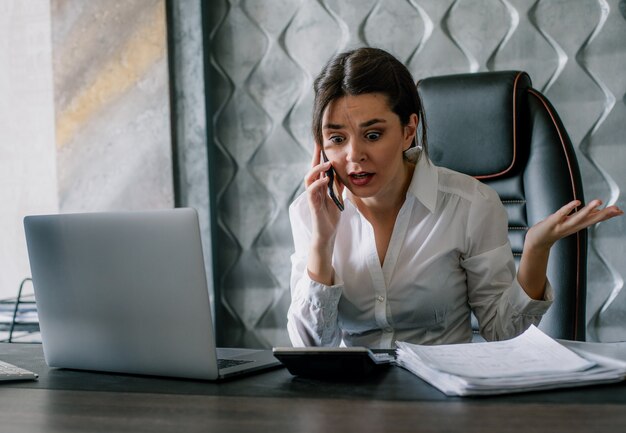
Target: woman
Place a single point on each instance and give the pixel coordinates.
(417, 247)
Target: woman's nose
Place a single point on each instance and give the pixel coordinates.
(356, 151)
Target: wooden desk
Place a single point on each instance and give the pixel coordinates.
(275, 402)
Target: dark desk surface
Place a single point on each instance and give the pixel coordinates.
(275, 401)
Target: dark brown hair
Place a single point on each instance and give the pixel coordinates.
(368, 70)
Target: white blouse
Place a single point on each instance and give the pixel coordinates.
(448, 255)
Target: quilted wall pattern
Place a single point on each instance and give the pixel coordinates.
(263, 56)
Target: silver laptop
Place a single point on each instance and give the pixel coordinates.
(127, 292)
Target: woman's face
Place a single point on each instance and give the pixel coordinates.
(364, 141)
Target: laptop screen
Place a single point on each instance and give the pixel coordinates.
(123, 291)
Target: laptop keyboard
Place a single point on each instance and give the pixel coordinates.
(12, 372)
(226, 363)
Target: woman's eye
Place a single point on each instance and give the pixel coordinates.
(373, 136)
(336, 139)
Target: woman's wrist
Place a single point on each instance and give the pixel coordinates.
(319, 265)
(322, 246)
(536, 243)
(532, 270)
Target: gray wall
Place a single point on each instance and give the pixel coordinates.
(111, 105)
(262, 57)
(27, 152)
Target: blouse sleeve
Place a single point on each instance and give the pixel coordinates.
(500, 304)
(312, 315)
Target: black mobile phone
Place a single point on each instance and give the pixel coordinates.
(333, 189)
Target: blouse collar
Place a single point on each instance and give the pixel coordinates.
(424, 184)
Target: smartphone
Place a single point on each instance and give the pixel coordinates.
(333, 189)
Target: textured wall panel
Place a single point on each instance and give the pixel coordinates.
(265, 53)
(604, 58)
(386, 19)
(478, 28)
(437, 53)
(524, 47)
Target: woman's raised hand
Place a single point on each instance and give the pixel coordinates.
(324, 212)
(565, 222)
(540, 238)
(324, 218)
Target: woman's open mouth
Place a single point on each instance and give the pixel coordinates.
(361, 179)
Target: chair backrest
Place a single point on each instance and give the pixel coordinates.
(497, 128)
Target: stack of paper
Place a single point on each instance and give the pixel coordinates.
(529, 362)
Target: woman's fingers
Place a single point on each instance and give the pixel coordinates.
(319, 183)
(565, 222)
(316, 190)
(587, 216)
(566, 210)
(316, 173)
(570, 217)
(595, 216)
(610, 212)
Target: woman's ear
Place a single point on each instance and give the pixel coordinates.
(410, 129)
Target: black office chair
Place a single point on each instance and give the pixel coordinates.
(497, 128)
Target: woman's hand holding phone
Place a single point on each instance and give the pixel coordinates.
(325, 215)
(324, 191)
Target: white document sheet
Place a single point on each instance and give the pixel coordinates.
(531, 361)
(533, 352)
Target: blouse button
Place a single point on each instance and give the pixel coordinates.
(380, 298)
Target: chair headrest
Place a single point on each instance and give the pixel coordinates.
(474, 121)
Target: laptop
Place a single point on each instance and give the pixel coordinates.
(127, 292)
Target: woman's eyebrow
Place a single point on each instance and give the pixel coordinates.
(372, 122)
(361, 125)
